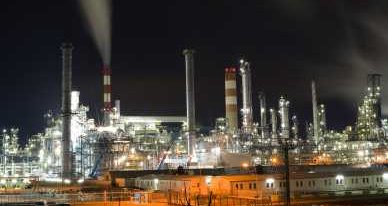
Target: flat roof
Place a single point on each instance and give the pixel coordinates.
(153, 119)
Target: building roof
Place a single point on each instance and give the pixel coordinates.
(153, 119)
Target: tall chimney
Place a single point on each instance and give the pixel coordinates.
(274, 123)
(315, 114)
(263, 116)
(190, 99)
(284, 117)
(231, 112)
(246, 111)
(67, 169)
(106, 72)
(263, 110)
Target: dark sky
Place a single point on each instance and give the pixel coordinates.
(288, 42)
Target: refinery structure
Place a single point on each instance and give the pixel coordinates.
(74, 147)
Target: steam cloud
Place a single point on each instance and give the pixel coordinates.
(98, 15)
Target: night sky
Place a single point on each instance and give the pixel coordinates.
(288, 43)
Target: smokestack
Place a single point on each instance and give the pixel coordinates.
(315, 114)
(231, 112)
(263, 110)
(246, 111)
(284, 117)
(106, 72)
(274, 123)
(66, 110)
(190, 100)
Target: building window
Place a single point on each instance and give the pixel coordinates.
(352, 180)
(236, 186)
(325, 182)
(356, 180)
(313, 183)
(301, 183)
(250, 186)
(269, 185)
(339, 179)
(254, 185)
(309, 183)
(241, 186)
(297, 183)
(367, 180)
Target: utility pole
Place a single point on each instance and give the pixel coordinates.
(287, 165)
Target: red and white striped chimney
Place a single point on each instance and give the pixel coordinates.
(231, 112)
(106, 72)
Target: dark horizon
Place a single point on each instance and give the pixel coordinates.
(288, 45)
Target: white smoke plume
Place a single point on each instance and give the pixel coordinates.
(98, 15)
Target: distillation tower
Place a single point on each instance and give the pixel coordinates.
(246, 90)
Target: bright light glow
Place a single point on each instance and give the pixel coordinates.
(3, 181)
(80, 181)
(385, 175)
(121, 159)
(57, 133)
(339, 177)
(13, 181)
(270, 180)
(53, 179)
(216, 150)
(208, 180)
(67, 181)
(245, 165)
(360, 153)
(41, 154)
(49, 160)
(156, 183)
(57, 150)
(74, 100)
(107, 129)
